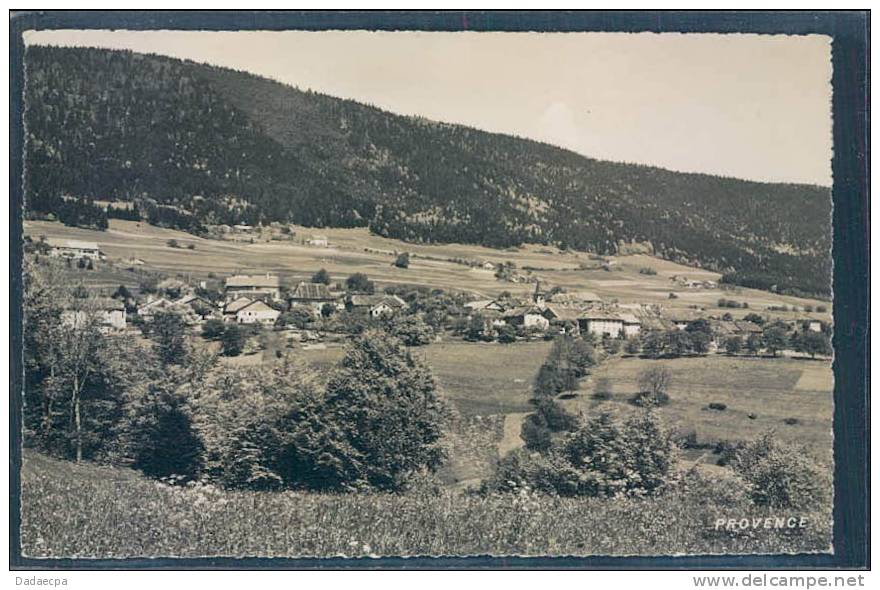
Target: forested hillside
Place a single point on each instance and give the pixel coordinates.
(227, 147)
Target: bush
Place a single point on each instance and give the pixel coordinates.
(603, 457)
(506, 334)
(647, 399)
(402, 260)
(172, 243)
(322, 276)
(261, 428)
(213, 329)
(633, 346)
(792, 421)
(647, 270)
(717, 406)
(733, 345)
(536, 434)
(781, 475)
(233, 340)
(360, 283)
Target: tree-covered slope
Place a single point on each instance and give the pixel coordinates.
(232, 147)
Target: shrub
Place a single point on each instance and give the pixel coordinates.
(821, 308)
(673, 296)
(172, 243)
(792, 421)
(506, 334)
(647, 399)
(213, 329)
(733, 345)
(261, 428)
(717, 406)
(535, 433)
(402, 260)
(359, 283)
(633, 346)
(781, 475)
(233, 340)
(647, 270)
(322, 276)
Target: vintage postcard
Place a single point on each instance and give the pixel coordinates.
(393, 293)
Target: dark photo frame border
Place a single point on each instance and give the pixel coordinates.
(850, 33)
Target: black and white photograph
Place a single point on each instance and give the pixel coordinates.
(403, 293)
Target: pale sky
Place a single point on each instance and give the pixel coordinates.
(748, 106)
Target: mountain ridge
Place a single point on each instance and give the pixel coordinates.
(152, 127)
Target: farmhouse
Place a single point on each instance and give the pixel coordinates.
(152, 306)
(73, 249)
(195, 307)
(631, 325)
(601, 323)
(745, 328)
(530, 316)
(110, 314)
(257, 312)
(682, 317)
(315, 295)
(233, 306)
(253, 286)
(375, 305)
(565, 316)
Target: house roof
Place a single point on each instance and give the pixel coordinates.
(629, 318)
(234, 306)
(256, 305)
(160, 302)
(592, 314)
(374, 300)
(271, 281)
(564, 312)
(746, 326)
(59, 243)
(575, 297)
(312, 291)
(481, 304)
(107, 304)
(684, 315)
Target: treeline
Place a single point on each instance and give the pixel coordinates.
(224, 145)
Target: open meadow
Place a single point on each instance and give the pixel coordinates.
(86, 511)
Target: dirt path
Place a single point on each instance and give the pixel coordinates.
(510, 438)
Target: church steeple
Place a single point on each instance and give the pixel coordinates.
(538, 296)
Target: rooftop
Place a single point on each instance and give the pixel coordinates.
(316, 291)
(270, 281)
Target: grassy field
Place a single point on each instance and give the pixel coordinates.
(356, 250)
(85, 511)
(480, 379)
(771, 390)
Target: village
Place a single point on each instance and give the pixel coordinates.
(323, 309)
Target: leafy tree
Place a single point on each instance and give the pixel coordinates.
(299, 316)
(506, 334)
(754, 343)
(775, 339)
(633, 346)
(700, 342)
(386, 406)
(402, 260)
(411, 330)
(733, 345)
(755, 318)
(654, 345)
(168, 332)
(322, 276)
(213, 329)
(233, 340)
(476, 328)
(121, 292)
(263, 428)
(654, 386)
(814, 343)
(359, 283)
(781, 475)
(604, 457)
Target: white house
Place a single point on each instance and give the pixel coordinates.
(530, 316)
(631, 325)
(314, 295)
(319, 241)
(147, 310)
(110, 314)
(257, 312)
(601, 324)
(375, 305)
(73, 248)
(253, 286)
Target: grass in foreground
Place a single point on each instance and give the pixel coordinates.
(84, 511)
